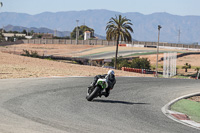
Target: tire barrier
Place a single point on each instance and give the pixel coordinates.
(144, 71)
(123, 45)
(148, 46)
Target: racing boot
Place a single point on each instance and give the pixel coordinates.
(106, 94)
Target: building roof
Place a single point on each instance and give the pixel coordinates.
(12, 34)
(87, 31)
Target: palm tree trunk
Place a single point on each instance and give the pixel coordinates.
(185, 69)
(116, 53)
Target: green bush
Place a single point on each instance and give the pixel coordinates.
(141, 63)
(124, 63)
(81, 29)
(31, 54)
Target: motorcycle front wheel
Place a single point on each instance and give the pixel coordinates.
(93, 94)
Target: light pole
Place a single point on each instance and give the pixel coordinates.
(159, 27)
(1, 4)
(77, 32)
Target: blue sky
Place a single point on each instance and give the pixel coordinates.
(176, 7)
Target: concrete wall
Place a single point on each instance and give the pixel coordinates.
(11, 43)
(68, 41)
(108, 43)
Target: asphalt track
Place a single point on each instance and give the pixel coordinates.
(58, 105)
(108, 55)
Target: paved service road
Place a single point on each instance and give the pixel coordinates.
(58, 105)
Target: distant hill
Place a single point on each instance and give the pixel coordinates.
(36, 30)
(43, 30)
(144, 26)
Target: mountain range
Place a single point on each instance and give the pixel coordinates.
(185, 29)
(37, 30)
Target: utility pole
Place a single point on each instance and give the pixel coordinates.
(1, 4)
(77, 32)
(179, 35)
(55, 32)
(159, 27)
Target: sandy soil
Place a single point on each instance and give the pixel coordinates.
(195, 98)
(193, 60)
(50, 49)
(14, 66)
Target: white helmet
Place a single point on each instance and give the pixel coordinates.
(111, 72)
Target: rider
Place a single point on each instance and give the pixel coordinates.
(110, 76)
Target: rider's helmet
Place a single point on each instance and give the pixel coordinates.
(111, 72)
(111, 77)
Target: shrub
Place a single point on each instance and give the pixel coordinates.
(121, 62)
(30, 54)
(141, 63)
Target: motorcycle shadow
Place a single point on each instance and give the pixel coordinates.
(118, 102)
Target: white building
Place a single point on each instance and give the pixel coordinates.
(87, 35)
(8, 35)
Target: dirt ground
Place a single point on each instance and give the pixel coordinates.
(193, 60)
(50, 49)
(195, 98)
(14, 66)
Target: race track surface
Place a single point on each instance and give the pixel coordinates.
(58, 105)
(109, 55)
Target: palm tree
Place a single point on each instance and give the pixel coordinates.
(186, 67)
(118, 29)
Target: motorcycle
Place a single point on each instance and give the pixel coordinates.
(96, 91)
